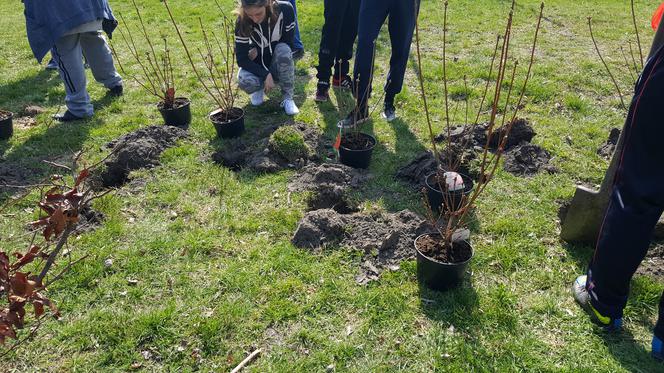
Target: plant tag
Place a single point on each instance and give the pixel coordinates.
(337, 141)
(216, 112)
(461, 235)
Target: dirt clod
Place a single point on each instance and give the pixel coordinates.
(136, 150)
(335, 174)
(385, 239)
(653, 264)
(33, 111)
(527, 160)
(256, 153)
(609, 146)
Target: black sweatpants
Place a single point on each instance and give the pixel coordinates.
(373, 13)
(637, 200)
(338, 37)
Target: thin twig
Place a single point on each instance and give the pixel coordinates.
(615, 83)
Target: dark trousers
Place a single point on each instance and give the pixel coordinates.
(338, 37)
(373, 13)
(637, 201)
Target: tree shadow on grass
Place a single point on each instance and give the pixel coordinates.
(57, 143)
(454, 306)
(30, 90)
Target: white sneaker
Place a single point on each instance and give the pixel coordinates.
(257, 98)
(289, 107)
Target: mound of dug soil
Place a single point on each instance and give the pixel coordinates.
(527, 160)
(331, 184)
(653, 264)
(136, 150)
(424, 163)
(256, 154)
(384, 239)
(609, 147)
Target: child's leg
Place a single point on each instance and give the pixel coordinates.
(330, 37)
(347, 38)
(249, 82)
(401, 27)
(297, 41)
(67, 53)
(283, 69)
(100, 59)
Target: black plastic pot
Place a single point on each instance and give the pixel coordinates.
(228, 128)
(6, 124)
(179, 115)
(437, 275)
(452, 199)
(357, 158)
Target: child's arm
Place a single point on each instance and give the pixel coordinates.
(242, 48)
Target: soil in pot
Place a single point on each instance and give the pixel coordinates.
(228, 124)
(6, 124)
(440, 266)
(432, 247)
(356, 149)
(451, 199)
(179, 115)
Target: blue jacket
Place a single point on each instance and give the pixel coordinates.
(47, 20)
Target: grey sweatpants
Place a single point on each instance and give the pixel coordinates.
(68, 53)
(282, 69)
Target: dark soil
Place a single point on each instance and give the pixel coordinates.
(433, 247)
(5, 114)
(14, 174)
(327, 196)
(527, 160)
(461, 135)
(136, 150)
(415, 172)
(331, 184)
(334, 174)
(609, 147)
(521, 132)
(221, 117)
(89, 220)
(357, 141)
(255, 153)
(653, 264)
(177, 103)
(384, 239)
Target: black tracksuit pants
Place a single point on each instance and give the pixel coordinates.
(373, 13)
(637, 200)
(338, 38)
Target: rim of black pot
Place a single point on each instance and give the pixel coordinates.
(177, 98)
(215, 111)
(472, 252)
(463, 176)
(362, 150)
(11, 114)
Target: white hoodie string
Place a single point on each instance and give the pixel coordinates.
(269, 42)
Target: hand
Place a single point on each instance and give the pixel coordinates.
(253, 53)
(269, 83)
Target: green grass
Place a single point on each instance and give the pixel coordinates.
(220, 277)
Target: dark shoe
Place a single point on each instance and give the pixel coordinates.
(354, 118)
(322, 92)
(582, 297)
(657, 348)
(52, 65)
(346, 82)
(298, 54)
(67, 116)
(389, 112)
(116, 91)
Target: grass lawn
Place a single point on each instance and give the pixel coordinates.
(217, 274)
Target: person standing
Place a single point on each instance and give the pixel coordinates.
(264, 35)
(373, 13)
(636, 204)
(336, 46)
(298, 47)
(71, 29)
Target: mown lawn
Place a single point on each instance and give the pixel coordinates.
(219, 276)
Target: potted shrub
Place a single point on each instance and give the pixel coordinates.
(6, 124)
(156, 74)
(218, 75)
(444, 254)
(355, 148)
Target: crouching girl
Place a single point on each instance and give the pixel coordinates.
(263, 44)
